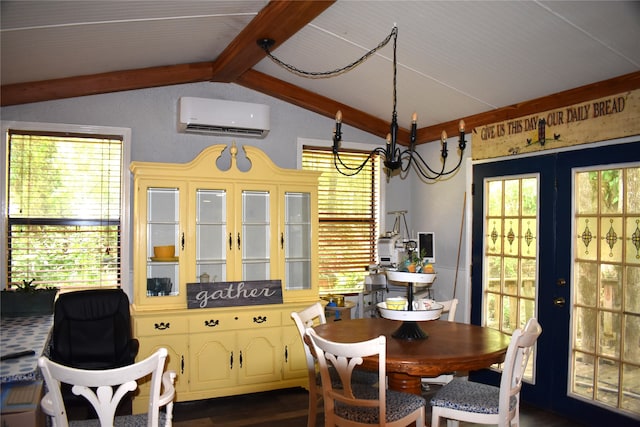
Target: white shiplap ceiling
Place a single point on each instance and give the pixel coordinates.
(455, 58)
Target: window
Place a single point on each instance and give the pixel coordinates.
(511, 254)
(66, 221)
(348, 211)
(605, 350)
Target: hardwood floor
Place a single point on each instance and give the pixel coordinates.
(288, 408)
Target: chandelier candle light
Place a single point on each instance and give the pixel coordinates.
(394, 157)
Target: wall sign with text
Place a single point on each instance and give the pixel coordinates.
(234, 294)
(601, 119)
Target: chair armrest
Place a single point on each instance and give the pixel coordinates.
(47, 405)
(166, 399)
(169, 390)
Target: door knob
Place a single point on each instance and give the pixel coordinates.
(559, 301)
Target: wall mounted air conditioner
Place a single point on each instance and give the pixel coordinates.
(220, 117)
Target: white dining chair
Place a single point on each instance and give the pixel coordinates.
(485, 404)
(351, 404)
(449, 309)
(104, 389)
(311, 316)
(304, 319)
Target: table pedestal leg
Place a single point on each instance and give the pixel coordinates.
(404, 382)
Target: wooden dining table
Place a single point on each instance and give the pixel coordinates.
(449, 347)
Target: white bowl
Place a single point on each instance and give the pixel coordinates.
(415, 315)
(406, 277)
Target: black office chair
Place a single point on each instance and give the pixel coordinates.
(92, 330)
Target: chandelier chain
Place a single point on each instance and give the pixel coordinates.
(338, 71)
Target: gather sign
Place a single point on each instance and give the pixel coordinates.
(233, 294)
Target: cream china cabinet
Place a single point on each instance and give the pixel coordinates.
(226, 224)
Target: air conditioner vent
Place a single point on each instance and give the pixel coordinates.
(220, 117)
(195, 128)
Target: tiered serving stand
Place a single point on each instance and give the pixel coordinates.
(410, 329)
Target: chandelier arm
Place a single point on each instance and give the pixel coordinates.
(421, 164)
(350, 170)
(455, 168)
(419, 168)
(345, 170)
(407, 153)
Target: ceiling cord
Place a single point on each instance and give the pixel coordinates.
(266, 44)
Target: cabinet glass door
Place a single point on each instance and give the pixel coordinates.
(211, 235)
(297, 241)
(163, 216)
(256, 228)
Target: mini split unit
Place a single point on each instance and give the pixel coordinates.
(220, 117)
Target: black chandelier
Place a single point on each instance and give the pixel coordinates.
(395, 158)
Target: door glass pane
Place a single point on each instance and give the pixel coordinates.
(163, 230)
(256, 226)
(297, 241)
(605, 342)
(211, 235)
(510, 254)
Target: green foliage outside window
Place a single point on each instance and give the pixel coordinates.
(64, 210)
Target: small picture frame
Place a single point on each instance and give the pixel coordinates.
(427, 246)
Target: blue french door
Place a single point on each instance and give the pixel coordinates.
(550, 295)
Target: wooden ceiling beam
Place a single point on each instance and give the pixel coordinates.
(317, 103)
(327, 107)
(278, 20)
(116, 81)
(577, 95)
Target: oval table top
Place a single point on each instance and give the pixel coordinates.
(449, 347)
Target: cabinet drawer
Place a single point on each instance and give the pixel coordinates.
(213, 321)
(161, 325)
(255, 319)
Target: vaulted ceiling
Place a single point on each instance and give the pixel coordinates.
(484, 61)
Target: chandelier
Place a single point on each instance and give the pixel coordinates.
(395, 157)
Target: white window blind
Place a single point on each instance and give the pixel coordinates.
(64, 209)
(348, 216)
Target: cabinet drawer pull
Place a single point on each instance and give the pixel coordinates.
(281, 240)
(182, 364)
(238, 241)
(240, 359)
(259, 319)
(162, 326)
(211, 323)
(286, 353)
(230, 242)
(231, 361)
(182, 241)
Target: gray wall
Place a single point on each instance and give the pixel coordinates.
(152, 116)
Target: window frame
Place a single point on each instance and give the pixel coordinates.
(125, 196)
(349, 146)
